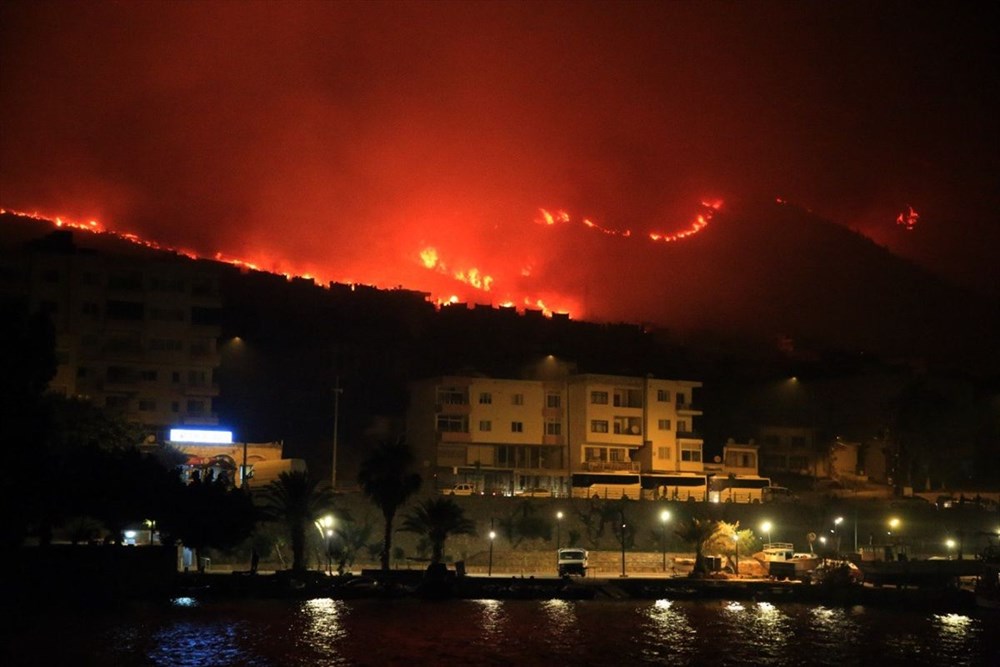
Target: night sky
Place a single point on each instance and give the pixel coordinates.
(343, 139)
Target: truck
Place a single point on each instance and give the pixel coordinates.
(572, 561)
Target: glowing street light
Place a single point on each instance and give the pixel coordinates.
(559, 518)
(950, 543)
(325, 526)
(493, 535)
(664, 519)
(766, 527)
(836, 530)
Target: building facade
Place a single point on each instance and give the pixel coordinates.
(525, 436)
(135, 334)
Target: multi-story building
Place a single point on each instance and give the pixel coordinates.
(512, 436)
(134, 333)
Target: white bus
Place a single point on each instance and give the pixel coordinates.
(606, 486)
(676, 486)
(738, 489)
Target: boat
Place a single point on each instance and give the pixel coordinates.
(891, 564)
(783, 562)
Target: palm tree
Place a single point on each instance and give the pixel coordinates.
(437, 518)
(387, 479)
(698, 532)
(298, 501)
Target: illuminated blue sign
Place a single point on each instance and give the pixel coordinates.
(201, 436)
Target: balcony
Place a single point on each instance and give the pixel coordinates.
(610, 466)
(687, 409)
(689, 435)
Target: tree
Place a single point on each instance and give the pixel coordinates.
(387, 479)
(297, 501)
(698, 532)
(436, 519)
(209, 514)
(722, 542)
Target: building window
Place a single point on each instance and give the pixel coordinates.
(553, 428)
(116, 402)
(691, 453)
(681, 400)
(130, 311)
(595, 453)
(682, 427)
(147, 405)
(617, 455)
(599, 426)
(741, 460)
(517, 399)
(663, 453)
(628, 426)
(517, 427)
(599, 398)
(166, 345)
(662, 395)
(451, 396)
(663, 424)
(553, 400)
(167, 314)
(452, 424)
(628, 398)
(485, 425)
(485, 398)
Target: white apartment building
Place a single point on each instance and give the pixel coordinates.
(511, 436)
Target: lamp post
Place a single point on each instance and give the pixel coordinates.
(489, 571)
(736, 546)
(325, 527)
(664, 518)
(893, 525)
(337, 391)
(836, 531)
(621, 513)
(950, 543)
(559, 518)
(766, 527)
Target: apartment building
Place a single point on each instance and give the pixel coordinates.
(513, 436)
(134, 333)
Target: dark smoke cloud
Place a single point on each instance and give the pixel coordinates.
(348, 135)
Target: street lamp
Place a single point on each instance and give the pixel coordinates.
(664, 518)
(893, 525)
(836, 531)
(766, 527)
(325, 527)
(559, 518)
(950, 543)
(621, 513)
(493, 535)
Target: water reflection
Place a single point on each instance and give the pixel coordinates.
(560, 626)
(324, 626)
(955, 632)
(492, 619)
(198, 643)
(670, 635)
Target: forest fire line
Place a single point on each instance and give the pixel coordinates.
(508, 293)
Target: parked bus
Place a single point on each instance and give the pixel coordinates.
(606, 486)
(676, 486)
(738, 489)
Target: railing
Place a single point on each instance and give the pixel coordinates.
(611, 466)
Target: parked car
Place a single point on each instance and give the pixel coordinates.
(460, 490)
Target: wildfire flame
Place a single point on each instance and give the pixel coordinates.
(908, 218)
(429, 258)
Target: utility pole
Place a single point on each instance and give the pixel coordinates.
(337, 391)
